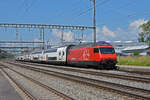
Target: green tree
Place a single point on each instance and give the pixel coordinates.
(144, 36)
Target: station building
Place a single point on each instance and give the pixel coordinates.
(127, 48)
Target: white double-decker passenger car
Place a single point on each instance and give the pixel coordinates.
(55, 55)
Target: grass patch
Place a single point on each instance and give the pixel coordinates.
(135, 61)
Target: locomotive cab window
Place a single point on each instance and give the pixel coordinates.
(107, 50)
(96, 50)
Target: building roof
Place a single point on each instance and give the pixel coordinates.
(136, 47)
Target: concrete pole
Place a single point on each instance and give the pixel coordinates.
(16, 33)
(43, 37)
(62, 36)
(82, 34)
(94, 21)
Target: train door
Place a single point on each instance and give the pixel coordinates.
(96, 54)
(61, 54)
(86, 54)
(42, 56)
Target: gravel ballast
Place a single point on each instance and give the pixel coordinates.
(75, 90)
(113, 80)
(37, 91)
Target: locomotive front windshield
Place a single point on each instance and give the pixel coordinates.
(107, 50)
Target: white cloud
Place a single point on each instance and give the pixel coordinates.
(106, 31)
(135, 24)
(37, 40)
(134, 28)
(119, 34)
(106, 34)
(68, 36)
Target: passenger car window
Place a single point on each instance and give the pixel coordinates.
(63, 53)
(59, 53)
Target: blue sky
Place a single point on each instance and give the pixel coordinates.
(116, 19)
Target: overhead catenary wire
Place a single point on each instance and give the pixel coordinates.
(97, 4)
(118, 10)
(112, 9)
(72, 9)
(23, 3)
(25, 6)
(30, 6)
(145, 12)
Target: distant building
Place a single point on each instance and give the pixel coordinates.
(125, 48)
(128, 48)
(148, 52)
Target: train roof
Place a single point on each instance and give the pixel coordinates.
(91, 44)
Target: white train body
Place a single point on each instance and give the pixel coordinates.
(57, 55)
(41, 56)
(21, 57)
(27, 57)
(53, 55)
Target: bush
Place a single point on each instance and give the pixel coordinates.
(136, 53)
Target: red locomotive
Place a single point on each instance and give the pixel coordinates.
(101, 55)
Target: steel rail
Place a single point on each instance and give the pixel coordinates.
(129, 91)
(136, 72)
(110, 75)
(27, 93)
(61, 95)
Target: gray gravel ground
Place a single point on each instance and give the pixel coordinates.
(39, 92)
(126, 73)
(7, 91)
(75, 90)
(113, 80)
(105, 71)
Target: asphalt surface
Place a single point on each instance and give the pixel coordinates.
(7, 91)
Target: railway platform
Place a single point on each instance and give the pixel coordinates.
(143, 69)
(7, 91)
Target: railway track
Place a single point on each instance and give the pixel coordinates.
(109, 75)
(27, 94)
(133, 92)
(59, 94)
(136, 72)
